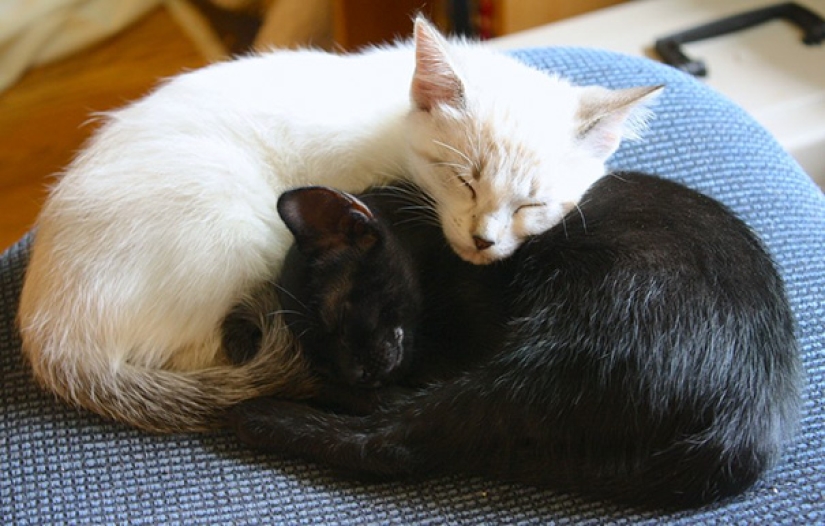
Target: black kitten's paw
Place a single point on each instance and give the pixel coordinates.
(267, 424)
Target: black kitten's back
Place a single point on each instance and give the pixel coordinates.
(668, 325)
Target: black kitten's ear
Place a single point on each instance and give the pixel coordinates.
(323, 219)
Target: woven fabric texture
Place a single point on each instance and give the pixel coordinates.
(64, 466)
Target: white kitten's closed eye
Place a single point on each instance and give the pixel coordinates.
(457, 173)
(466, 183)
(528, 206)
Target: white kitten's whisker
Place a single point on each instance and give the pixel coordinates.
(430, 216)
(454, 166)
(423, 220)
(474, 141)
(581, 214)
(270, 332)
(286, 311)
(424, 199)
(402, 194)
(403, 190)
(291, 295)
(422, 208)
(395, 174)
(304, 318)
(454, 150)
(409, 195)
(616, 176)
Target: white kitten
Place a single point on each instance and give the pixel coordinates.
(168, 217)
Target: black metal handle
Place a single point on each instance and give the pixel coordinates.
(668, 47)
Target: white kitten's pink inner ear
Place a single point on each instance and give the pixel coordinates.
(607, 116)
(435, 80)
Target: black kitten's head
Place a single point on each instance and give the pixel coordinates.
(348, 290)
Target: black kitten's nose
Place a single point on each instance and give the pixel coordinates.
(379, 365)
(481, 243)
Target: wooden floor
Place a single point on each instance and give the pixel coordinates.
(44, 116)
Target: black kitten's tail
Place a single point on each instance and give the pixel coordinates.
(451, 432)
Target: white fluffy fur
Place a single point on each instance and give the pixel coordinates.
(168, 216)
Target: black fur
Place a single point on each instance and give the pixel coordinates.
(642, 350)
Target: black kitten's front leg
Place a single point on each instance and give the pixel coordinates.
(271, 424)
(342, 441)
(358, 401)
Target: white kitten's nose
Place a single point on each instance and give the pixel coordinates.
(481, 243)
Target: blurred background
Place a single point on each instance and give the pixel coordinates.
(63, 60)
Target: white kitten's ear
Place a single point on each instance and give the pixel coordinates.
(605, 117)
(435, 81)
(323, 219)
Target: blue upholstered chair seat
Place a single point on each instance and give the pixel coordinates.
(61, 465)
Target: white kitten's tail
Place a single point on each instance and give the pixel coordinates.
(167, 401)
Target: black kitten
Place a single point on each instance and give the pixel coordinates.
(347, 288)
(643, 349)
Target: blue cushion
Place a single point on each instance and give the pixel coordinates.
(60, 465)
